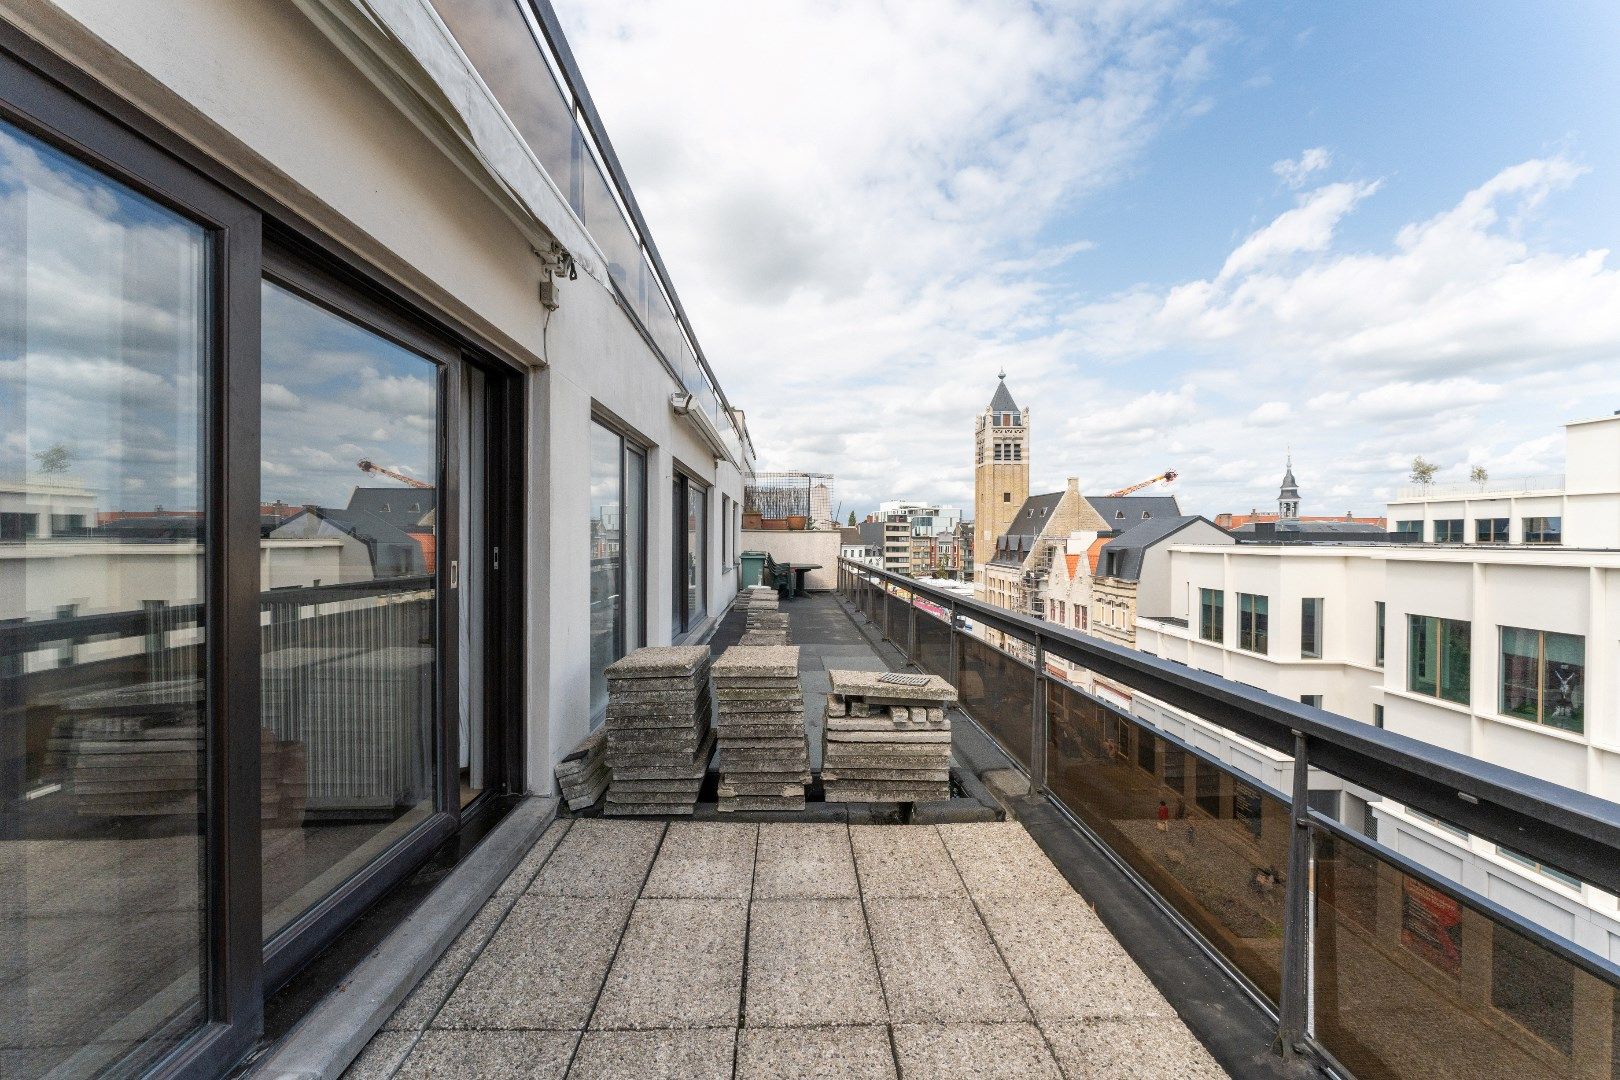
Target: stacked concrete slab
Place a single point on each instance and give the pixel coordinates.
(887, 738)
(764, 757)
(582, 776)
(767, 624)
(659, 739)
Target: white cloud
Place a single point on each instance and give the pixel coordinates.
(869, 208)
(1295, 173)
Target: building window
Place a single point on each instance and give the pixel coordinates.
(1006, 496)
(690, 554)
(1018, 451)
(1378, 716)
(1409, 528)
(998, 451)
(1544, 530)
(1310, 627)
(1491, 530)
(1313, 700)
(1448, 531)
(1437, 657)
(18, 526)
(618, 479)
(1378, 633)
(1540, 868)
(1544, 678)
(1252, 623)
(1212, 615)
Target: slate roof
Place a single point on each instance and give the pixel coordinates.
(393, 551)
(1125, 511)
(1294, 525)
(1013, 546)
(402, 507)
(1121, 557)
(1003, 401)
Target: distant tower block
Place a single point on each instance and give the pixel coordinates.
(1288, 497)
(1000, 469)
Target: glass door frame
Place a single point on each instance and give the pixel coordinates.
(295, 944)
(52, 100)
(233, 1004)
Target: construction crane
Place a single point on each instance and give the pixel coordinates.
(1167, 476)
(371, 467)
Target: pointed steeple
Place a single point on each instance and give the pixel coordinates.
(1003, 400)
(1288, 495)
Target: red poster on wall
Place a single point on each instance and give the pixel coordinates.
(1431, 925)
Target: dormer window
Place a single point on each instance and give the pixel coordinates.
(1006, 419)
(1146, 514)
(1119, 515)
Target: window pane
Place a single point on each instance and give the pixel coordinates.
(1421, 668)
(1520, 681)
(697, 552)
(1378, 640)
(635, 547)
(350, 634)
(1563, 700)
(1455, 650)
(1310, 632)
(607, 560)
(104, 361)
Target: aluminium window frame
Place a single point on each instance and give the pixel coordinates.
(53, 99)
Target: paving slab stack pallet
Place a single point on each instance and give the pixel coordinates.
(582, 776)
(764, 756)
(659, 739)
(887, 738)
(767, 624)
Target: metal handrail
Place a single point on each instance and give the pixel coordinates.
(1570, 830)
(22, 636)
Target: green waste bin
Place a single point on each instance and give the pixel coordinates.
(753, 567)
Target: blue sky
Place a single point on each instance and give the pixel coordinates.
(1194, 233)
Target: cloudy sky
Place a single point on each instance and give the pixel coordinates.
(1193, 233)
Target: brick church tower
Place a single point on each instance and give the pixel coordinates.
(1000, 470)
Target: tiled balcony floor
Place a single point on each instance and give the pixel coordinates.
(641, 949)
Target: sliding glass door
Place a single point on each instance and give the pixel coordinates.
(350, 562)
(255, 651)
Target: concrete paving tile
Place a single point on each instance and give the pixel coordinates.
(519, 879)
(804, 862)
(1067, 963)
(654, 1055)
(704, 860)
(680, 965)
(1000, 860)
(938, 964)
(600, 858)
(377, 1061)
(826, 1053)
(416, 1011)
(543, 968)
(810, 963)
(1132, 1050)
(903, 863)
(489, 1055)
(973, 1051)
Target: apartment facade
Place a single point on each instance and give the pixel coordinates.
(309, 251)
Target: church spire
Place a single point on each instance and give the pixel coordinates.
(1288, 494)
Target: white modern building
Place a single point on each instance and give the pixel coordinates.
(1505, 651)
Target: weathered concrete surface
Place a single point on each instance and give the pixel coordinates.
(831, 951)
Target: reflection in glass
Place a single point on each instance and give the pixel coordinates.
(1413, 980)
(697, 553)
(1220, 858)
(607, 559)
(349, 550)
(998, 692)
(104, 308)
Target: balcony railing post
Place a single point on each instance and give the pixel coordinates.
(1038, 722)
(911, 627)
(1294, 1008)
(954, 652)
(884, 600)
